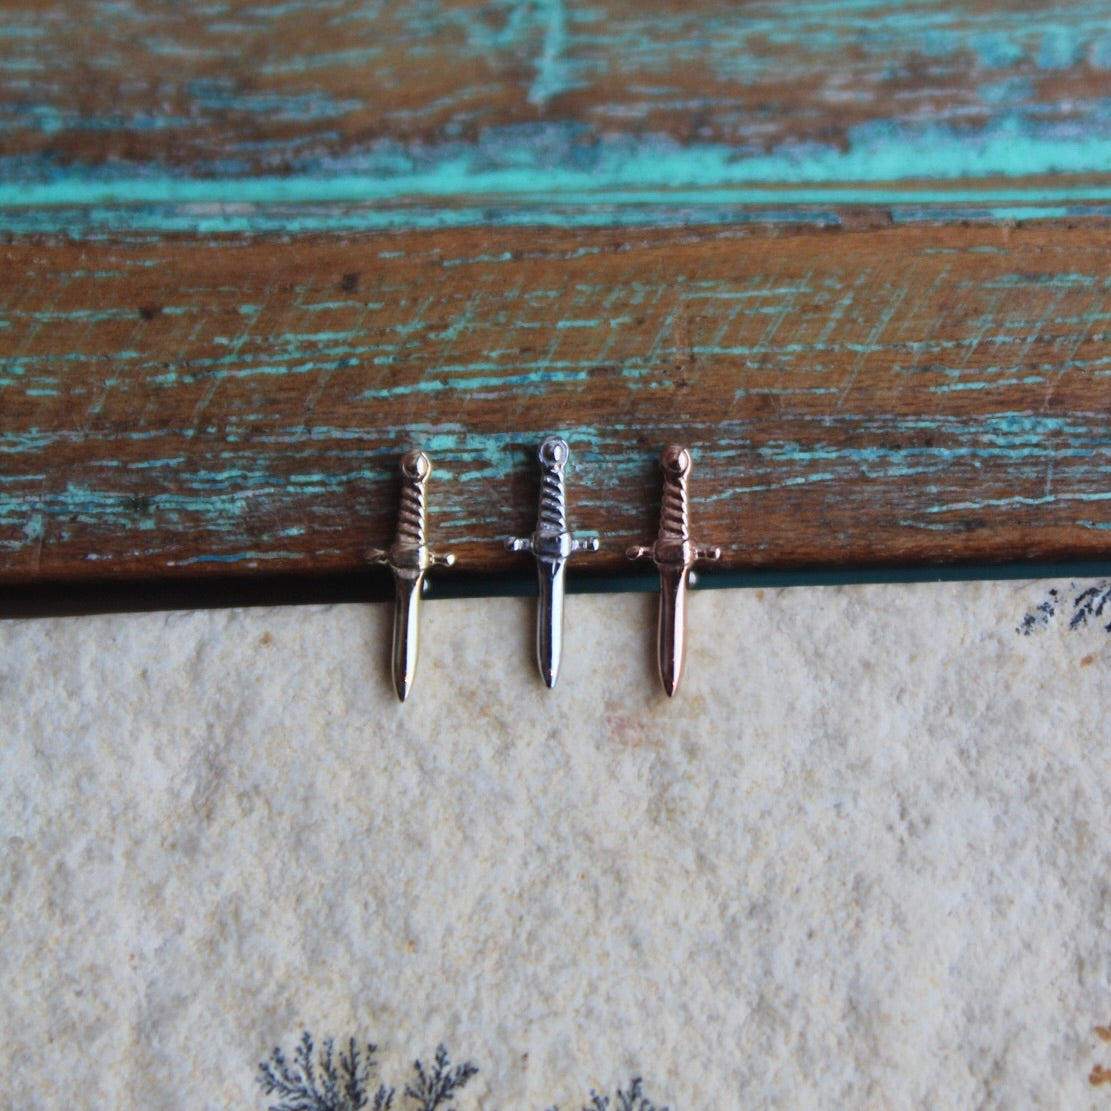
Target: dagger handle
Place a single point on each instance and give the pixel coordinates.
(675, 522)
(552, 516)
(415, 469)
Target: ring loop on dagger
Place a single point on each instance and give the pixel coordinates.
(674, 554)
(409, 559)
(552, 544)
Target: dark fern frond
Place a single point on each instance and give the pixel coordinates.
(353, 1090)
(628, 1099)
(634, 1099)
(327, 1080)
(433, 1088)
(303, 1057)
(338, 1087)
(330, 1082)
(1041, 615)
(356, 1076)
(1090, 604)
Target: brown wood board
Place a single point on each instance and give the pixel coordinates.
(191, 406)
(242, 88)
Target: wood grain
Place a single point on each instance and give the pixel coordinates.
(853, 254)
(140, 102)
(274, 84)
(898, 394)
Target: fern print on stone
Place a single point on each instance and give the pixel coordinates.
(326, 1081)
(628, 1099)
(1082, 604)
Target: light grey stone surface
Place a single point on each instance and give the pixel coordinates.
(862, 860)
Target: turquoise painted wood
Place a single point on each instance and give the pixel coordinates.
(883, 396)
(854, 254)
(154, 115)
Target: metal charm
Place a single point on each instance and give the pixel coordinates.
(674, 554)
(409, 558)
(552, 544)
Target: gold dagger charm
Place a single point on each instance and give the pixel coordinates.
(552, 544)
(674, 554)
(409, 558)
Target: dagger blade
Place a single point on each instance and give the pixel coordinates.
(549, 618)
(406, 625)
(671, 638)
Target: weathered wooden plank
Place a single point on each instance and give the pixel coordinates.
(755, 263)
(894, 394)
(241, 102)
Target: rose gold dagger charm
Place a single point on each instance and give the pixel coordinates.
(409, 558)
(674, 554)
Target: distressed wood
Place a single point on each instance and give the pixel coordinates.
(250, 88)
(140, 102)
(892, 395)
(854, 254)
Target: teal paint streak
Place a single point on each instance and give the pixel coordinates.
(170, 462)
(1060, 49)
(290, 474)
(21, 65)
(993, 384)
(1011, 502)
(740, 207)
(236, 557)
(143, 221)
(329, 306)
(536, 382)
(11, 30)
(543, 164)
(356, 56)
(221, 95)
(51, 121)
(1012, 90)
(547, 47)
(91, 316)
(1100, 54)
(553, 69)
(996, 49)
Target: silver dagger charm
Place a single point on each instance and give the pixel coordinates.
(552, 544)
(674, 554)
(409, 558)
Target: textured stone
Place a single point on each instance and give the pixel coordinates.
(861, 860)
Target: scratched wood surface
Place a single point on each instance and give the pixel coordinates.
(144, 101)
(905, 394)
(854, 254)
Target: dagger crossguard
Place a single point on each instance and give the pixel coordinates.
(409, 555)
(673, 547)
(552, 542)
